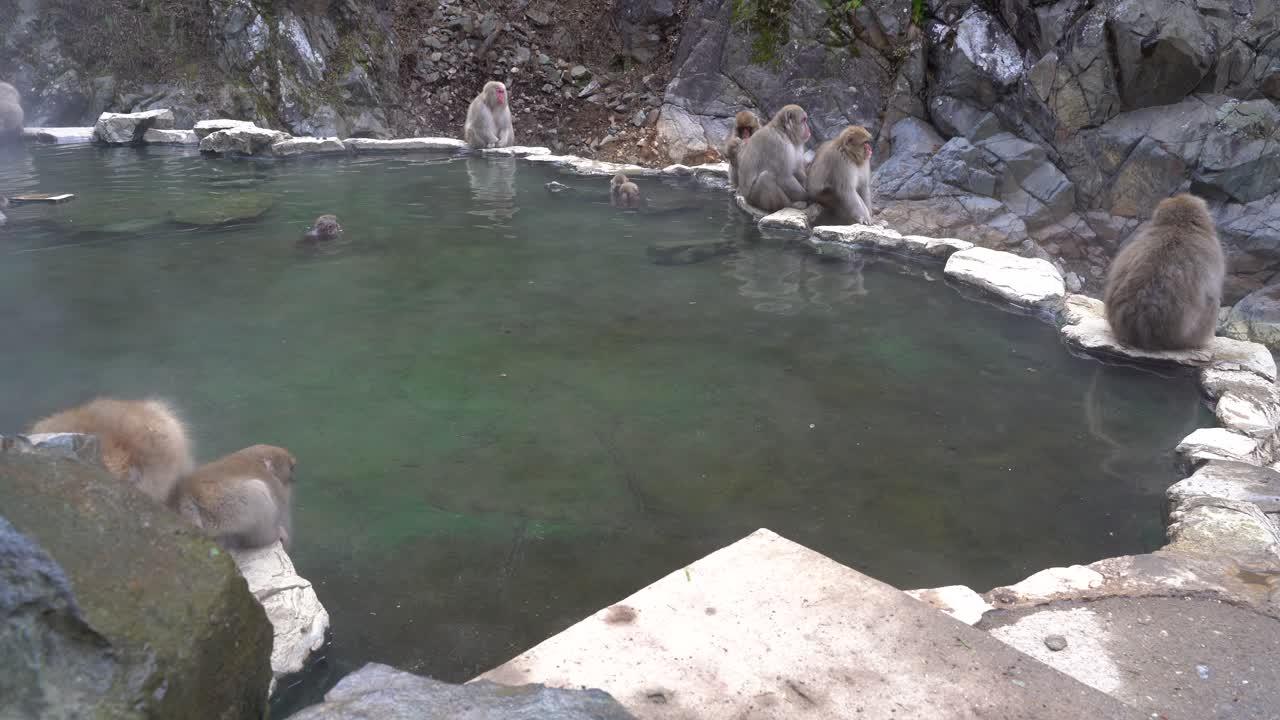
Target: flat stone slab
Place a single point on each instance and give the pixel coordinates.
(1230, 481)
(309, 146)
(425, 144)
(583, 166)
(58, 135)
(517, 151)
(126, 128)
(1181, 658)
(205, 128)
(1218, 444)
(786, 219)
(298, 620)
(766, 628)
(1026, 282)
(845, 241)
(1087, 328)
(156, 136)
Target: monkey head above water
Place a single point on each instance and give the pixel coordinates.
(488, 122)
(142, 441)
(840, 178)
(771, 172)
(325, 229)
(1164, 286)
(623, 193)
(243, 500)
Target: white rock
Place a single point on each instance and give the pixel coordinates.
(517, 151)
(1218, 444)
(677, 170)
(1229, 481)
(1078, 308)
(297, 618)
(958, 601)
(58, 135)
(242, 141)
(720, 169)
(1252, 414)
(205, 128)
(155, 136)
(1220, 528)
(1028, 282)
(786, 219)
(1254, 357)
(128, 128)
(429, 144)
(1216, 382)
(308, 146)
(1050, 582)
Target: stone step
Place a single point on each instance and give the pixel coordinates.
(766, 628)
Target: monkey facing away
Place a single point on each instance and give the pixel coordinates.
(1164, 286)
(489, 118)
(623, 193)
(142, 441)
(745, 124)
(242, 500)
(11, 115)
(771, 173)
(840, 178)
(326, 228)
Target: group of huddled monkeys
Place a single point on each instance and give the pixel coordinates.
(241, 501)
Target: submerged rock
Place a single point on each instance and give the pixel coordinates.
(379, 691)
(224, 209)
(688, 253)
(123, 610)
(129, 128)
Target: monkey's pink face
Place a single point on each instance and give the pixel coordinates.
(866, 147)
(500, 95)
(804, 128)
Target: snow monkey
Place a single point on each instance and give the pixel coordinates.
(745, 124)
(143, 441)
(623, 193)
(489, 118)
(771, 172)
(326, 228)
(840, 177)
(1164, 286)
(11, 115)
(242, 500)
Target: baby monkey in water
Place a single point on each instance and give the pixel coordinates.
(325, 229)
(623, 193)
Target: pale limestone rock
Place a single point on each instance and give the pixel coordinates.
(786, 219)
(1027, 282)
(1255, 414)
(846, 240)
(428, 144)
(749, 209)
(128, 128)
(516, 151)
(1227, 480)
(205, 128)
(720, 169)
(242, 141)
(1218, 444)
(958, 601)
(308, 146)
(1214, 527)
(1217, 382)
(1052, 582)
(155, 136)
(58, 135)
(297, 617)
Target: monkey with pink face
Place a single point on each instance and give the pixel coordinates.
(489, 118)
(771, 173)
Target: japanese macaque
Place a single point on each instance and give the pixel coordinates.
(242, 500)
(489, 118)
(840, 178)
(745, 124)
(771, 174)
(623, 193)
(11, 115)
(326, 228)
(1164, 286)
(142, 441)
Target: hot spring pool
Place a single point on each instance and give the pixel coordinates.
(512, 407)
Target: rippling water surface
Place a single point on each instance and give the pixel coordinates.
(512, 407)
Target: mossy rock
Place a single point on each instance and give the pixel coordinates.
(172, 629)
(225, 209)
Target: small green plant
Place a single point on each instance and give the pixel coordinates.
(769, 23)
(917, 12)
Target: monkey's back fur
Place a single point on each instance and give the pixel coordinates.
(1165, 286)
(142, 441)
(241, 500)
(11, 115)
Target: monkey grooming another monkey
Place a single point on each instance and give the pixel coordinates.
(1164, 286)
(242, 500)
(771, 174)
(142, 441)
(623, 193)
(745, 124)
(840, 178)
(326, 228)
(489, 118)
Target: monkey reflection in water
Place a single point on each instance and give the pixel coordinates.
(1128, 446)
(493, 186)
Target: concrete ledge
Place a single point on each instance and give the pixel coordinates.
(766, 628)
(846, 241)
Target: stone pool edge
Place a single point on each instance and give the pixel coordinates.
(1222, 517)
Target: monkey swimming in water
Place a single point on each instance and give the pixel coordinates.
(325, 229)
(623, 193)
(1165, 285)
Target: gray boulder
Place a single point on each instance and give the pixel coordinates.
(379, 691)
(242, 141)
(1163, 49)
(111, 606)
(130, 128)
(1257, 317)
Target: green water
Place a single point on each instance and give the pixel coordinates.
(511, 407)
